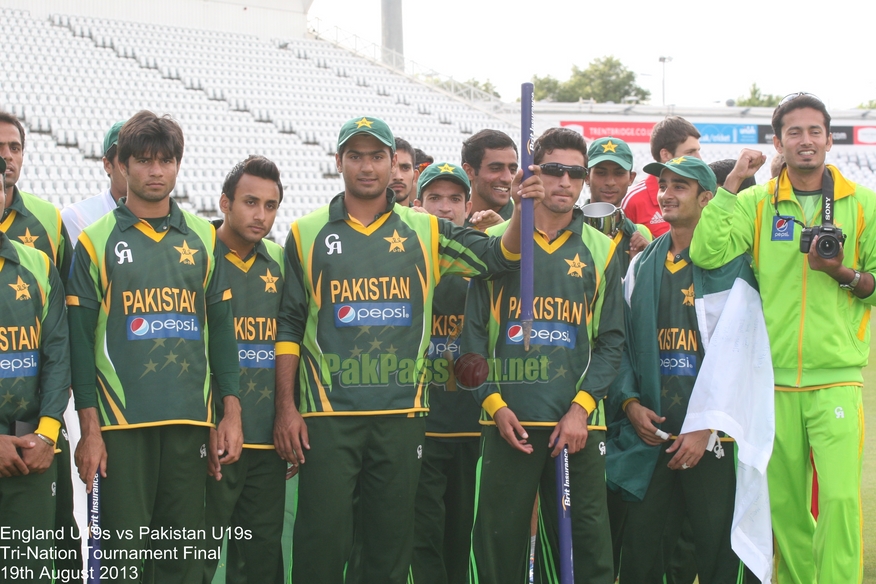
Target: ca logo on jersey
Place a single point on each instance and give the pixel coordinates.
(333, 243)
(123, 252)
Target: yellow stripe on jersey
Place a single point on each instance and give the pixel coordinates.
(323, 398)
(287, 348)
(146, 229)
(551, 246)
(356, 225)
(235, 260)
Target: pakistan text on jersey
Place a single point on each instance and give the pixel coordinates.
(379, 370)
(151, 300)
(19, 338)
(255, 328)
(676, 339)
(549, 308)
(365, 289)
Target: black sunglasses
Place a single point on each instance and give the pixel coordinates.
(557, 169)
(791, 96)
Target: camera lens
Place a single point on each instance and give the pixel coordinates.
(827, 246)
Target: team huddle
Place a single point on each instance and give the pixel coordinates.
(697, 346)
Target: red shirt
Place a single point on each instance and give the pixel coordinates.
(640, 206)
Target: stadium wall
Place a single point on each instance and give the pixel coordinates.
(262, 18)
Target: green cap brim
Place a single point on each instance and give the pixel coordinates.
(625, 164)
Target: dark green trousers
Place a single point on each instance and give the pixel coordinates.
(249, 500)
(382, 454)
(704, 495)
(508, 481)
(27, 502)
(156, 478)
(444, 511)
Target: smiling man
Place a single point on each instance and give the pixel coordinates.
(818, 316)
(351, 390)
(489, 158)
(555, 395)
(664, 486)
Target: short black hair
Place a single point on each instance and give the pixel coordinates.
(147, 134)
(722, 168)
(420, 157)
(473, 149)
(7, 118)
(669, 133)
(254, 165)
(558, 139)
(402, 145)
(799, 102)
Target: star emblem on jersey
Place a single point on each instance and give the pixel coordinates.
(270, 281)
(186, 254)
(28, 239)
(396, 242)
(609, 147)
(21, 289)
(688, 296)
(446, 168)
(364, 122)
(575, 266)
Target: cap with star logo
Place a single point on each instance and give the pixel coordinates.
(688, 167)
(366, 125)
(443, 170)
(112, 136)
(612, 149)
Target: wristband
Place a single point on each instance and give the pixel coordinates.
(45, 439)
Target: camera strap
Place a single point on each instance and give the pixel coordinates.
(827, 194)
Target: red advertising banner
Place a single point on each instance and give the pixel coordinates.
(865, 135)
(626, 131)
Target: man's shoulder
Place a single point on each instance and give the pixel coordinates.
(38, 206)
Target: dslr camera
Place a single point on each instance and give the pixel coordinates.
(830, 240)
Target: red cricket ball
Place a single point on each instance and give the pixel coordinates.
(471, 370)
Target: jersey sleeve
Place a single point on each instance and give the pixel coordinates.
(218, 288)
(65, 253)
(83, 285)
(645, 232)
(725, 230)
(471, 253)
(54, 352)
(475, 338)
(608, 343)
(292, 317)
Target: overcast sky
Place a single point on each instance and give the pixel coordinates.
(717, 52)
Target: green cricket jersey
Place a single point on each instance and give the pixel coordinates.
(678, 337)
(577, 310)
(453, 411)
(257, 286)
(622, 242)
(357, 304)
(505, 213)
(34, 343)
(151, 288)
(37, 223)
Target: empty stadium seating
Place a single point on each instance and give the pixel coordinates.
(72, 77)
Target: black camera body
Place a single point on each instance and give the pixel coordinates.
(830, 240)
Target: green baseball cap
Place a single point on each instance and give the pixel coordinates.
(112, 137)
(611, 149)
(443, 170)
(367, 125)
(688, 167)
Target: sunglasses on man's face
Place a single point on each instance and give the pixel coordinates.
(556, 169)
